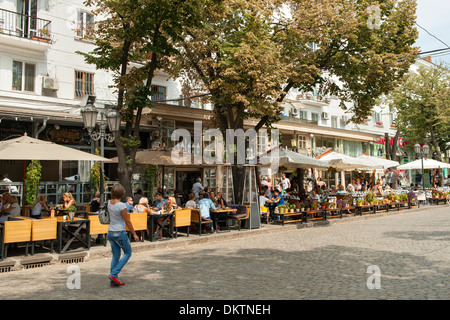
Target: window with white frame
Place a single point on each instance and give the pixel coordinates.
(84, 84)
(377, 117)
(23, 76)
(85, 24)
(303, 114)
(334, 122)
(301, 142)
(315, 117)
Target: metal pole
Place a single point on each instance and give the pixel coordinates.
(423, 178)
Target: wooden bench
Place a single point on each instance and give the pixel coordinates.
(297, 217)
(182, 219)
(15, 230)
(242, 213)
(43, 229)
(197, 219)
(96, 228)
(139, 222)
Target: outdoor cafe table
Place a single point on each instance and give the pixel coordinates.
(152, 221)
(65, 236)
(214, 213)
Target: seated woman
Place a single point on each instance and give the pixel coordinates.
(95, 203)
(142, 206)
(191, 204)
(41, 204)
(10, 207)
(220, 201)
(341, 190)
(277, 200)
(68, 200)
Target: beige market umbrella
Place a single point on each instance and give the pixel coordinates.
(27, 148)
(378, 163)
(343, 162)
(293, 160)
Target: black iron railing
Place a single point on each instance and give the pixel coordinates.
(24, 26)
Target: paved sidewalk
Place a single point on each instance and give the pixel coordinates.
(410, 247)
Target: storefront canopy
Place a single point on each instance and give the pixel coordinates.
(27, 148)
(427, 164)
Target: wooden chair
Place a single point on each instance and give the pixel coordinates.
(15, 230)
(139, 222)
(96, 228)
(197, 219)
(243, 213)
(43, 229)
(182, 219)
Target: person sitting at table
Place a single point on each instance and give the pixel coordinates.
(142, 206)
(314, 195)
(191, 204)
(41, 204)
(95, 203)
(303, 195)
(10, 207)
(68, 200)
(204, 205)
(160, 202)
(176, 195)
(276, 200)
(333, 189)
(341, 189)
(220, 201)
(266, 192)
(351, 186)
(129, 204)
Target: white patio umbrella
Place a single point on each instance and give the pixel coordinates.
(27, 148)
(293, 160)
(427, 164)
(343, 162)
(378, 163)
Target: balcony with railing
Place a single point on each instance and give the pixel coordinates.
(18, 26)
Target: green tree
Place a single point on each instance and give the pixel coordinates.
(133, 39)
(422, 107)
(249, 54)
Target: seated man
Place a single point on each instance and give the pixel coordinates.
(314, 196)
(129, 204)
(204, 205)
(277, 200)
(160, 202)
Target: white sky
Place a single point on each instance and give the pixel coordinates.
(434, 15)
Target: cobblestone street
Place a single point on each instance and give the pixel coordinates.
(410, 248)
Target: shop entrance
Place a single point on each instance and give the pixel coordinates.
(186, 179)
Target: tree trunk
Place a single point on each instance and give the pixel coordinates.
(238, 173)
(300, 179)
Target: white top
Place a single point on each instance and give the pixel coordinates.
(13, 213)
(37, 208)
(285, 183)
(191, 204)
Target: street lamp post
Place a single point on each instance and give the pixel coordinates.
(422, 151)
(108, 119)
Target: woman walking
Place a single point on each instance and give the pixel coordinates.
(117, 234)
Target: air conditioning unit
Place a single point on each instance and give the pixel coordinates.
(325, 115)
(49, 83)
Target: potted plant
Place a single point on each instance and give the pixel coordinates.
(71, 210)
(308, 95)
(411, 195)
(281, 208)
(291, 208)
(332, 205)
(314, 205)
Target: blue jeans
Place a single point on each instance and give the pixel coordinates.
(119, 241)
